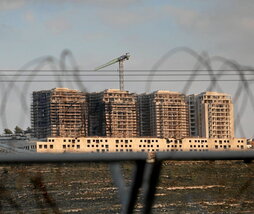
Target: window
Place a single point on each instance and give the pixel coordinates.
(45, 146)
(51, 146)
(88, 141)
(78, 146)
(64, 140)
(40, 146)
(64, 146)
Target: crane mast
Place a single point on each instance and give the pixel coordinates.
(120, 60)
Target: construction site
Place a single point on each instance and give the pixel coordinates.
(59, 112)
(113, 113)
(63, 112)
(163, 114)
(213, 114)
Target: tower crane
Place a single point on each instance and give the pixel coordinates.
(120, 60)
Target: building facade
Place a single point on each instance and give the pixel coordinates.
(163, 114)
(113, 113)
(138, 144)
(211, 115)
(59, 112)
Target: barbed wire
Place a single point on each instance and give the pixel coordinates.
(34, 72)
(38, 69)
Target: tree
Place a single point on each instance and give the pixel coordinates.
(7, 131)
(28, 130)
(18, 130)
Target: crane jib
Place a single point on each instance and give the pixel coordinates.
(121, 69)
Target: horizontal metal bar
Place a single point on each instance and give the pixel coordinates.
(117, 157)
(70, 157)
(209, 155)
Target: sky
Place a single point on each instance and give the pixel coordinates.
(97, 31)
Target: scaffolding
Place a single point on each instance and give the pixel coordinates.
(60, 112)
(113, 113)
(214, 115)
(164, 114)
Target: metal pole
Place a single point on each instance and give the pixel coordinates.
(121, 77)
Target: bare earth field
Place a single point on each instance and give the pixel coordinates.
(184, 187)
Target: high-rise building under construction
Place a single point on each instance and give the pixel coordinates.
(113, 113)
(163, 114)
(59, 112)
(211, 115)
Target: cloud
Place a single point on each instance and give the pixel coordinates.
(11, 4)
(106, 3)
(227, 26)
(30, 17)
(58, 25)
(125, 17)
